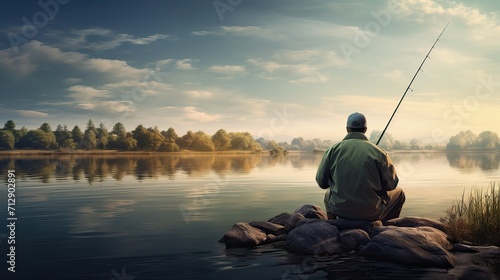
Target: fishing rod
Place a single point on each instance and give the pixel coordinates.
(409, 85)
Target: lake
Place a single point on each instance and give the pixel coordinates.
(160, 216)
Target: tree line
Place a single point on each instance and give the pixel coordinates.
(152, 139)
(141, 138)
(469, 140)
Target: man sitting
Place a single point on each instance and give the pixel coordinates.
(359, 177)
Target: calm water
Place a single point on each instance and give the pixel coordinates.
(159, 217)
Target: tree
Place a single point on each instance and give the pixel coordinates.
(299, 142)
(77, 134)
(169, 144)
(7, 140)
(243, 141)
(416, 144)
(102, 136)
(39, 139)
(387, 142)
(221, 140)
(9, 125)
(63, 135)
(186, 141)
(91, 126)
(89, 141)
(463, 140)
(45, 127)
(170, 134)
(119, 130)
(275, 148)
(148, 139)
(120, 139)
(20, 135)
(487, 140)
(202, 142)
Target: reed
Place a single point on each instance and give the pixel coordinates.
(476, 218)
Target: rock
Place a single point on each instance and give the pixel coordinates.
(423, 246)
(353, 238)
(477, 273)
(271, 238)
(243, 235)
(292, 222)
(367, 226)
(280, 219)
(312, 211)
(416, 222)
(307, 221)
(319, 238)
(269, 228)
(464, 248)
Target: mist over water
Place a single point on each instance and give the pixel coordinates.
(160, 216)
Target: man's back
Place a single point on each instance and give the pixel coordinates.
(355, 171)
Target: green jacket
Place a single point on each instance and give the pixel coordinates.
(354, 171)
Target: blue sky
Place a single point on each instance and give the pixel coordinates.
(278, 69)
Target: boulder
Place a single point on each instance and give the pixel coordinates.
(312, 211)
(422, 246)
(462, 248)
(352, 239)
(319, 238)
(243, 235)
(292, 221)
(367, 226)
(280, 219)
(269, 228)
(477, 273)
(416, 222)
(272, 238)
(307, 221)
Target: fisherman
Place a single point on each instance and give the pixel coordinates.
(359, 177)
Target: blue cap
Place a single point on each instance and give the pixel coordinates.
(356, 120)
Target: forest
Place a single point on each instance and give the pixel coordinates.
(152, 139)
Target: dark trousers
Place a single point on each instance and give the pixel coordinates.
(393, 208)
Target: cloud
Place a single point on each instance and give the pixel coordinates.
(160, 64)
(199, 94)
(108, 106)
(31, 113)
(35, 53)
(227, 69)
(394, 75)
(295, 55)
(103, 39)
(85, 93)
(230, 31)
(70, 81)
(471, 16)
(191, 114)
(311, 79)
(306, 71)
(92, 99)
(184, 64)
(299, 66)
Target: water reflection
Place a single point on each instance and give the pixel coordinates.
(98, 167)
(470, 161)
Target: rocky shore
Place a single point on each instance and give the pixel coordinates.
(409, 241)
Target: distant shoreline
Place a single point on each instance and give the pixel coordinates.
(189, 152)
(115, 152)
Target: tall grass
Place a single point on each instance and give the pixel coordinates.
(477, 218)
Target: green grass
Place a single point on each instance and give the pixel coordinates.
(477, 218)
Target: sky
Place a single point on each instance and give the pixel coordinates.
(277, 69)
